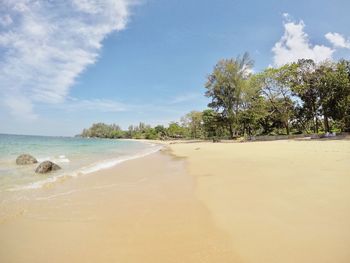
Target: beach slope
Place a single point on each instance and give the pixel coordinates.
(280, 201)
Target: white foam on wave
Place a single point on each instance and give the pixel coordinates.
(105, 164)
(38, 184)
(112, 162)
(62, 159)
(43, 159)
(59, 159)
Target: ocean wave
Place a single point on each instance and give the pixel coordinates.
(112, 162)
(95, 167)
(59, 159)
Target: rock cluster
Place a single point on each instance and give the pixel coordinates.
(44, 167)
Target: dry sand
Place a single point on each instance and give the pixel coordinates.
(281, 201)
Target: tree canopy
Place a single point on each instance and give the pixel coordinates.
(302, 97)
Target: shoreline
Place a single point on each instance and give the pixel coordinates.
(143, 210)
(92, 167)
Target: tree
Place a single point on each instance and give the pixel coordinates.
(193, 122)
(224, 87)
(324, 91)
(160, 130)
(151, 134)
(175, 130)
(346, 117)
(212, 123)
(334, 85)
(326, 85)
(298, 97)
(253, 109)
(276, 83)
(253, 117)
(304, 85)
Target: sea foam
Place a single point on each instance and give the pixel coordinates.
(59, 159)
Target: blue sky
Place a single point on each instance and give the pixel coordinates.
(66, 64)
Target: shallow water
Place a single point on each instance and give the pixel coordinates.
(76, 156)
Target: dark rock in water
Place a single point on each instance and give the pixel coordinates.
(46, 167)
(25, 159)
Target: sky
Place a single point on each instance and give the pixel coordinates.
(65, 64)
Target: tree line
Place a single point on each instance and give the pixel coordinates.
(140, 131)
(298, 98)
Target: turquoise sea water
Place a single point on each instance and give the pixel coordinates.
(76, 156)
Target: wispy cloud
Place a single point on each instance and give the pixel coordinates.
(338, 40)
(185, 98)
(295, 44)
(45, 45)
(20, 105)
(96, 105)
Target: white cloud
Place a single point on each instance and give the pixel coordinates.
(338, 40)
(20, 105)
(295, 44)
(286, 16)
(45, 45)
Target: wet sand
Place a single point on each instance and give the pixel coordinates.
(143, 210)
(280, 201)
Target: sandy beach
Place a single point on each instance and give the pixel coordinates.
(281, 201)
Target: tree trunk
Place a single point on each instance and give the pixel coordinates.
(231, 130)
(316, 124)
(326, 123)
(286, 124)
(315, 118)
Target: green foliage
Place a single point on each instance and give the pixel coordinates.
(212, 123)
(101, 130)
(225, 87)
(160, 131)
(276, 84)
(302, 97)
(192, 122)
(175, 130)
(324, 91)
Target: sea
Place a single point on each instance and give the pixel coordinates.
(76, 157)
